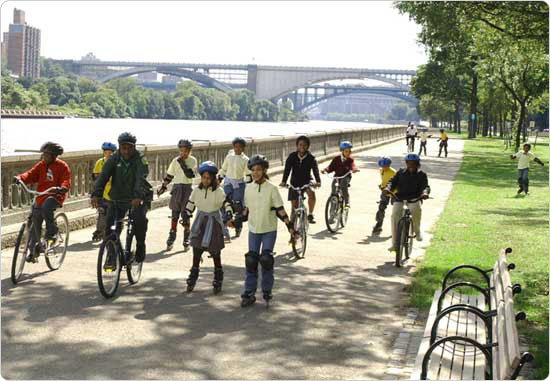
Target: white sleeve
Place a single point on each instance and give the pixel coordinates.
(171, 168)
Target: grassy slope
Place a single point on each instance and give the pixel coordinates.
(482, 215)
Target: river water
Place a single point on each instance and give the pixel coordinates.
(76, 134)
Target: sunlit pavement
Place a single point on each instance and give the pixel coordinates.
(334, 314)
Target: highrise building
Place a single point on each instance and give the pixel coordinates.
(22, 47)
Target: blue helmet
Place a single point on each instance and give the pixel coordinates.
(208, 166)
(412, 157)
(108, 146)
(384, 161)
(345, 144)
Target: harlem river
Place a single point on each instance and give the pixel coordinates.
(19, 135)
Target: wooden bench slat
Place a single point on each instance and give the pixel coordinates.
(496, 367)
(501, 337)
(512, 338)
(481, 337)
(447, 350)
(468, 360)
(425, 343)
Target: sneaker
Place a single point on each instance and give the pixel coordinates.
(527, 193)
(392, 249)
(346, 206)
(520, 190)
(419, 237)
(311, 219)
(376, 230)
(110, 263)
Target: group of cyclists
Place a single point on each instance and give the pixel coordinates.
(247, 195)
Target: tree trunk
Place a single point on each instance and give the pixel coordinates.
(520, 124)
(501, 124)
(472, 124)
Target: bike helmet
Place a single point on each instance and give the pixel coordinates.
(184, 143)
(127, 138)
(208, 166)
(258, 159)
(345, 144)
(527, 144)
(53, 148)
(383, 161)
(304, 138)
(108, 146)
(412, 157)
(239, 140)
(441, 130)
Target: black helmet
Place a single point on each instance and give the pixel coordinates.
(527, 144)
(258, 159)
(304, 138)
(185, 143)
(239, 140)
(53, 148)
(127, 138)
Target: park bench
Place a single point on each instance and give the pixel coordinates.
(472, 336)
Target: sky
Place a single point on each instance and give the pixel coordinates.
(355, 34)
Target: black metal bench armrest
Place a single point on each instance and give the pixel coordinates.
(484, 291)
(471, 267)
(483, 348)
(525, 358)
(485, 316)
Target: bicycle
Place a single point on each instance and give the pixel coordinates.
(107, 278)
(405, 231)
(54, 254)
(300, 223)
(336, 214)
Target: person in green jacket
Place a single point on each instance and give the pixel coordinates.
(130, 191)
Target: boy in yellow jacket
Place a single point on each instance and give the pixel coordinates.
(386, 173)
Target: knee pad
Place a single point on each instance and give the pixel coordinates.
(267, 260)
(251, 260)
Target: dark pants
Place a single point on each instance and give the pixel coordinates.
(236, 195)
(117, 211)
(442, 145)
(197, 254)
(523, 179)
(41, 213)
(102, 215)
(422, 145)
(413, 139)
(344, 185)
(380, 214)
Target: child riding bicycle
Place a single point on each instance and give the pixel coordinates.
(341, 165)
(411, 133)
(182, 171)
(108, 149)
(48, 172)
(130, 192)
(386, 173)
(409, 183)
(301, 163)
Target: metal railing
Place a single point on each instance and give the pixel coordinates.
(276, 149)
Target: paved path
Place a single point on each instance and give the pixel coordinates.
(335, 314)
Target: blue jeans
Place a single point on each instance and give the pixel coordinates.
(523, 179)
(265, 241)
(234, 194)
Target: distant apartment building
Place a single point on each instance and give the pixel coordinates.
(171, 79)
(21, 47)
(150, 76)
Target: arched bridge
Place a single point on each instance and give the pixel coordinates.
(267, 82)
(312, 95)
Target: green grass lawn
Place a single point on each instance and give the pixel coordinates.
(483, 215)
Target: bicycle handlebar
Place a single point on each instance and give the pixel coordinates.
(298, 189)
(24, 186)
(409, 200)
(339, 177)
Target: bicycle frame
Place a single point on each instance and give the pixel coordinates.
(116, 230)
(301, 208)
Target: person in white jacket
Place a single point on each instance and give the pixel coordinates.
(235, 175)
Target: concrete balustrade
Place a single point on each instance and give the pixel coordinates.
(15, 203)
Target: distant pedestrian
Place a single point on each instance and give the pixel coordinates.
(524, 158)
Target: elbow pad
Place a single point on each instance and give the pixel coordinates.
(168, 179)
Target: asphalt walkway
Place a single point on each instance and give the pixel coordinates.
(334, 315)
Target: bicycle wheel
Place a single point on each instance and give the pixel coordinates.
(133, 269)
(331, 213)
(299, 240)
(344, 212)
(401, 242)
(19, 253)
(410, 239)
(56, 254)
(108, 280)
